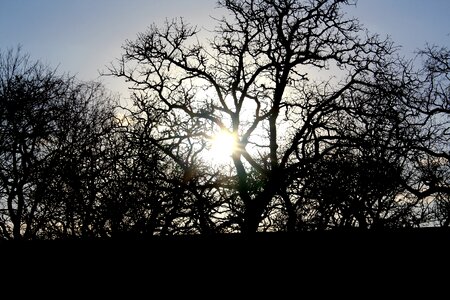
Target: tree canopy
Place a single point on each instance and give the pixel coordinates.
(292, 117)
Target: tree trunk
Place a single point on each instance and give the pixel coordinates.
(255, 208)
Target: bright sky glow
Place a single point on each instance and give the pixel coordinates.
(223, 145)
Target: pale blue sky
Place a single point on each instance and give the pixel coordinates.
(82, 36)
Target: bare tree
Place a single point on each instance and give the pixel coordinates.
(329, 128)
(77, 173)
(29, 94)
(51, 141)
(429, 99)
(274, 76)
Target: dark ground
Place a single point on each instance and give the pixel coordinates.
(334, 261)
(326, 245)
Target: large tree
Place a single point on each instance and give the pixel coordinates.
(275, 76)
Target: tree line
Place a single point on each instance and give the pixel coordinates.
(333, 128)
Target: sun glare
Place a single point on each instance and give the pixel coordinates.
(223, 144)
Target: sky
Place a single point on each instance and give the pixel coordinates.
(82, 37)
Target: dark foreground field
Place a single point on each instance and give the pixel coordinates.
(374, 261)
(327, 245)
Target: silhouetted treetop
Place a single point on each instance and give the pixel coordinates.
(260, 78)
(290, 117)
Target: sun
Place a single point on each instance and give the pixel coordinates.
(223, 145)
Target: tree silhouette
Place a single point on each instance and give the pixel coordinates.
(78, 173)
(50, 133)
(429, 99)
(330, 129)
(268, 77)
(346, 190)
(28, 92)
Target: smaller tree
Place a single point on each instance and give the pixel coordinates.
(29, 99)
(350, 190)
(51, 143)
(77, 174)
(431, 156)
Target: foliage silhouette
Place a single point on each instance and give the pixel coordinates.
(334, 131)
